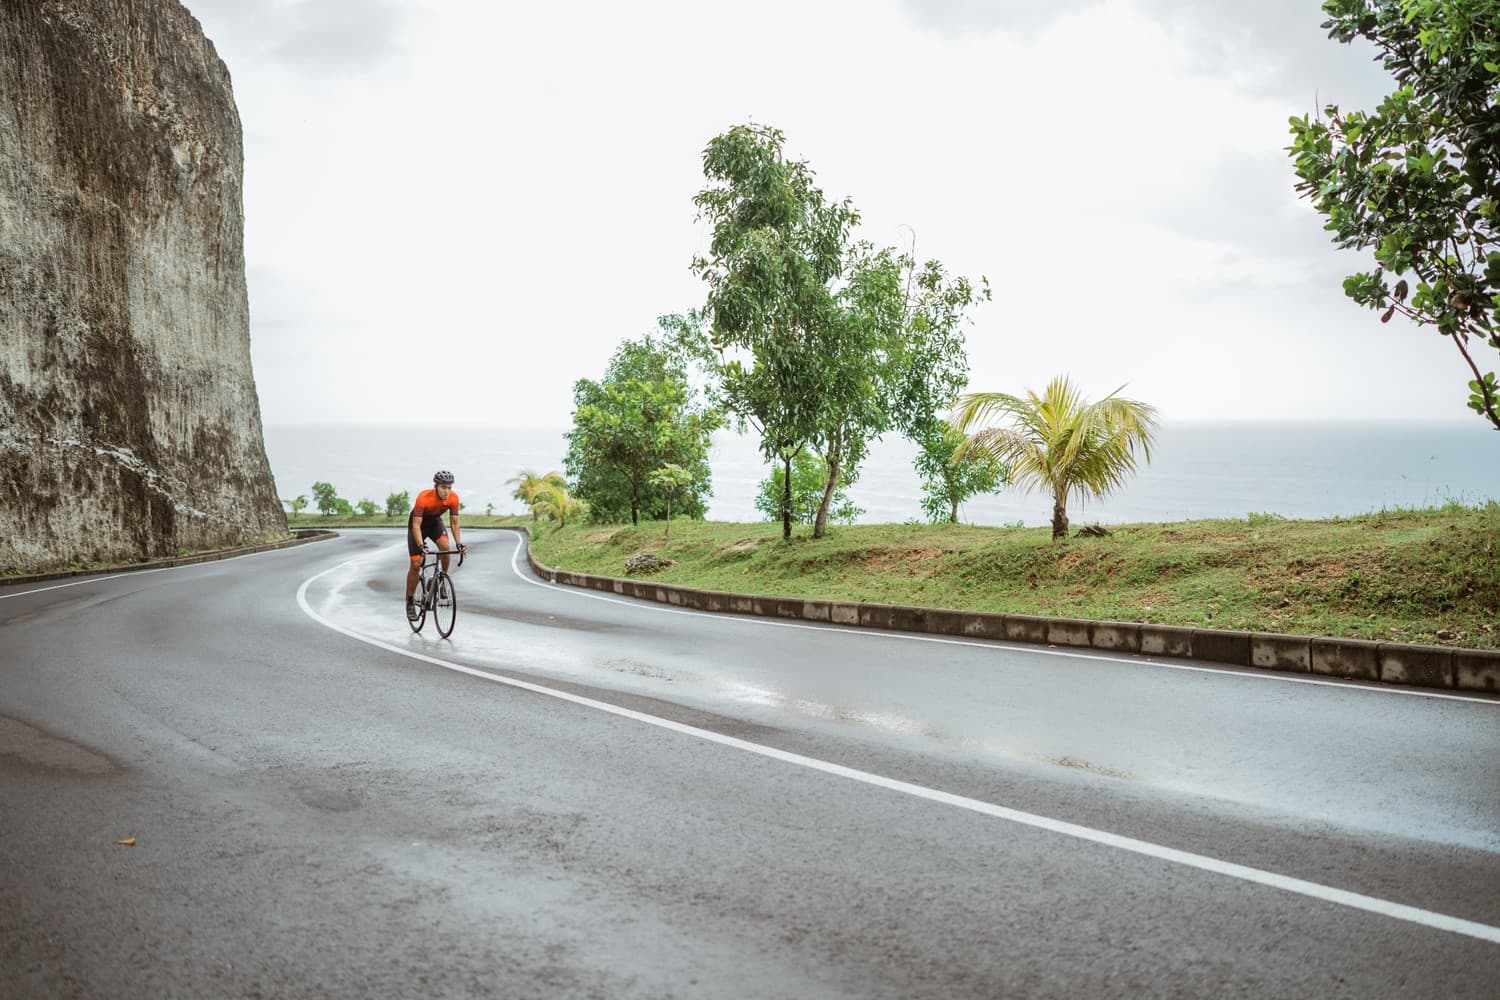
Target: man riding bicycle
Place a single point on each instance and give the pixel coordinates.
(427, 522)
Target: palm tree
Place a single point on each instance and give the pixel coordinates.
(554, 501)
(529, 486)
(1058, 440)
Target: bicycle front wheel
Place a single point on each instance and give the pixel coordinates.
(445, 606)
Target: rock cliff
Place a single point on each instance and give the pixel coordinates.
(129, 423)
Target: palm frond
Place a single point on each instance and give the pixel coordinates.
(1057, 439)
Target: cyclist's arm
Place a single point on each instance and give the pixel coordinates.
(453, 523)
(414, 524)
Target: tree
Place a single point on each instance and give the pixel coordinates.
(776, 250)
(327, 498)
(894, 356)
(529, 485)
(367, 507)
(555, 503)
(1418, 180)
(670, 479)
(948, 481)
(815, 339)
(809, 474)
(397, 504)
(1058, 440)
(642, 415)
(299, 503)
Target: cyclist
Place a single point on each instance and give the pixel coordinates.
(427, 522)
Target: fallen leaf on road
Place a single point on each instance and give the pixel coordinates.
(127, 842)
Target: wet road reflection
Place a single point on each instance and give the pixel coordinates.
(1399, 765)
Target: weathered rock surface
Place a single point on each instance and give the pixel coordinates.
(129, 423)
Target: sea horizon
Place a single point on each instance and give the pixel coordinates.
(1294, 468)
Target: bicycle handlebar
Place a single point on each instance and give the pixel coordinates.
(438, 553)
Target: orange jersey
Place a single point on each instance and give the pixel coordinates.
(428, 504)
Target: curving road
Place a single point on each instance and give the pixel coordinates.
(583, 795)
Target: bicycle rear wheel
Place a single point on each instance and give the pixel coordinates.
(445, 607)
(421, 619)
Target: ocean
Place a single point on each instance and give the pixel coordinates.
(1198, 470)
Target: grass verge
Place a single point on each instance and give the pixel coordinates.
(1423, 576)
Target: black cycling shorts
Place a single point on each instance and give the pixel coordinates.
(432, 527)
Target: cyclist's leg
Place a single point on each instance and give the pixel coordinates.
(446, 547)
(414, 562)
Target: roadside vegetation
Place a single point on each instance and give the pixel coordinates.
(1423, 576)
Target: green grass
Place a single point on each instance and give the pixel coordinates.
(1426, 576)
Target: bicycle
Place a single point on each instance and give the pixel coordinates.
(435, 593)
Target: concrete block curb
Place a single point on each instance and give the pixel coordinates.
(1221, 646)
(1424, 666)
(1281, 652)
(1166, 640)
(1356, 658)
(300, 537)
(1395, 663)
(1025, 628)
(1122, 637)
(1476, 669)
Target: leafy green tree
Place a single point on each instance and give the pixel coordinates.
(528, 486)
(948, 481)
(397, 504)
(342, 507)
(671, 479)
(1417, 181)
(777, 248)
(327, 498)
(809, 474)
(489, 510)
(814, 339)
(894, 356)
(298, 503)
(367, 507)
(642, 415)
(1058, 441)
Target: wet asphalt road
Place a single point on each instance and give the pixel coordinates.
(325, 805)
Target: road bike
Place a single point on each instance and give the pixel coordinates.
(435, 593)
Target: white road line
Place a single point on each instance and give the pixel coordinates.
(1313, 890)
(1143, 661)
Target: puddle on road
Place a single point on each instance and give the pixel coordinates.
(33, 746)
(885, 721)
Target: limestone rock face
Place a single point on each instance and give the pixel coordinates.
(129, 423)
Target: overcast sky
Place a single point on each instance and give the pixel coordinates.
(496, 194)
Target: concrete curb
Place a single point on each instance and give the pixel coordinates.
(1355, 659)
(300, 537)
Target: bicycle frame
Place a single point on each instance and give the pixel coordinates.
(433, 581)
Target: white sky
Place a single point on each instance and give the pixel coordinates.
(497, 194)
